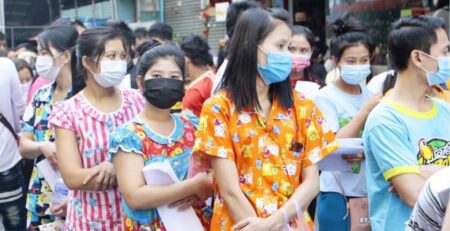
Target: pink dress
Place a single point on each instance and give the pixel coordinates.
(91, 210)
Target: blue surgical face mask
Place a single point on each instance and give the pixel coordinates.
(355, 74)
(443, 73)
(278, 67)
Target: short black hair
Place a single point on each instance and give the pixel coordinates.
(196, 49)
(349, 33)
(306, 32)
(240, 75)
(411, 33)
(165, 51)
(161, 30)
(126, 33)
(2, 36)
(147, 45)
(234, 12)
(140, 32)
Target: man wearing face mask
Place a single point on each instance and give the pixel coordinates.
(406, 136)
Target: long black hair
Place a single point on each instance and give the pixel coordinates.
(62, 38)
(91, 43)
(239, 79)
(349, 33)
(154, 54)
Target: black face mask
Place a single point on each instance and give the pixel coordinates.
(163, 93)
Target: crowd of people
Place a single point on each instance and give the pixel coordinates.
(99, 105)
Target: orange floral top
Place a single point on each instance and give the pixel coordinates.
(269, 156)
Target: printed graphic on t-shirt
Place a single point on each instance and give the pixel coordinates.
(435, 151)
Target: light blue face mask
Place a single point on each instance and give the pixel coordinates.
(278, 67)
(355, 74)
(443, 73)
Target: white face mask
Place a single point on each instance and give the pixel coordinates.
(111, 73)
(45, 69)
(25, 88)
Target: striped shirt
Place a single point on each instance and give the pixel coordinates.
(430, 208)
(92, 210)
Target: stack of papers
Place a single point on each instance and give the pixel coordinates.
(334, 161)
(50, 175)
(162, 173)
(308, 89)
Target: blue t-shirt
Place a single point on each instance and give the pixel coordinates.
(396, 141)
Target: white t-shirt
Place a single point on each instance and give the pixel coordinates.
(376, 83)
(219, 76)
(338, 108)
(12, 106)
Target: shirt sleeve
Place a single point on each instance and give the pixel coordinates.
(125, 139)
(213, 137)
(62, 116)
(329, 111)
(28, 119)
(16, 97)
(193, 101)
(388, 144)
(318, 139)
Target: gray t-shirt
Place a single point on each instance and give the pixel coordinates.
(339, 108)
(429, 211)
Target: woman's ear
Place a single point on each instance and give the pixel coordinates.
(87, 64)
(66, 57)
(139, 82)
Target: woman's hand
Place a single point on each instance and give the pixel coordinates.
(203, 182)
(106, 176)
(48, 149)
(354, 159)
(185, 202)
(61, 209)
(275, 222)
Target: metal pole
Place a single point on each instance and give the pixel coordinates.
(75, 4)
(138, 10)
(2, 16)
(93, 13)
(114, 9)
(12, 37)
(161, 10)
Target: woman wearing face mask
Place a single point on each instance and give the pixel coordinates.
(155, 136)
(301, 48)
(263, 139)
(56, 63)
(345, 104)
(83, 126)
(25, 75)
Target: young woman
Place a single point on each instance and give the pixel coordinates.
(263, 140)
(83, 126)
(56, 62)
(301, 48)
(154, 136)
(345, 105)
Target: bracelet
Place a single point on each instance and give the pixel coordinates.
(297, 208)
(286, 219)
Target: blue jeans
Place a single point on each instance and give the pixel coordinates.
(12, 198)
(331, 208)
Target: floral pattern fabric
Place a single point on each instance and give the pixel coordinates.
(136, 137)
(269, 156)
(36, 123)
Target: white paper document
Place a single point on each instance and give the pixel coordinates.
(334, 161)
(50, 175)
(308, 89)
(162, 173)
